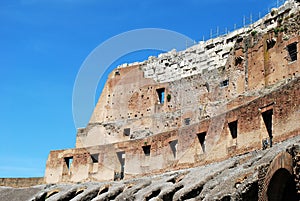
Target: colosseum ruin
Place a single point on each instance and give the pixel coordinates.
(217, 121)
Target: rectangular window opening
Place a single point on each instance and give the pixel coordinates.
(161, 95)
(173, 146)
(146, 150)
(95, 158)
(69, 161)
(292, 50)
(117, 72)
(126, 131)
(238, 61)
(267, 117)
(233, 129)
(201, 138)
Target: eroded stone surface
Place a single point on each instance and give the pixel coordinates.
(218, 121)
(224, 97)
(236, 178)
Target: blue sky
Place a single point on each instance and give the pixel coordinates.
(43, 44)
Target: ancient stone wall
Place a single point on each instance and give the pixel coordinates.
(21, 182)
(242, 177)
(215, 100)
(218, 142)
(162, 93)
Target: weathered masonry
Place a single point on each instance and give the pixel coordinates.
(220, 98)
(270, 174)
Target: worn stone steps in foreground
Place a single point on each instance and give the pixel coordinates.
(233, 179)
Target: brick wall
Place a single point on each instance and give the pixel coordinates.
(21, 182)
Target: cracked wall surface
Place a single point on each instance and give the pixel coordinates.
(241, 90)
(217, 121)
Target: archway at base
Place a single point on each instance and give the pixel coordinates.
(282, 186)
(279, 182)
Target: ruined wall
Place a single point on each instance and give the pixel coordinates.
(295, 153)
(270, 174)
(218, 144)
(21, 182)
(125, 99)
(217, 99)
(198, 82)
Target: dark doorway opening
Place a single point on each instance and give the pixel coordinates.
(173, 146)
(267, 117)
(282, 187)
(201, 138)
(233, 129)
(146, 150)
(292, 50)
(95, 158)
(121, 157)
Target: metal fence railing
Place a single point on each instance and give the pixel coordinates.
(246, 21)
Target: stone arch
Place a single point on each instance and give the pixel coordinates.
(282, 186)
(279, 183)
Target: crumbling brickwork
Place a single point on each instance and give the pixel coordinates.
(218, 99)
(240, 178)
(294, 150)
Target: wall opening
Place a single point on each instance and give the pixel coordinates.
(201, 139)
(187, 121)
(173, 146)
(271, 43)
(233, 129)
(224, 83)
(267, 117)
(292, 50)
(146, 150)
(207, 86)
(282, 186)
(121, 158)
(238, 60)
(161, 95)
(95, 158)
(126, 131)
(69, 161)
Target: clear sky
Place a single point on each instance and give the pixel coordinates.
(43, 43)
